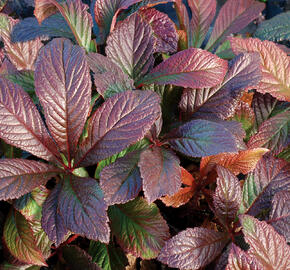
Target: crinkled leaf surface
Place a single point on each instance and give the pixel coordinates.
(143, 231)
(131, 46)
(122, 120)
(266, 245)
(160, 172)
(188, 68)
(275, 65)
(233, 17)
(192, 248)
(63, 85)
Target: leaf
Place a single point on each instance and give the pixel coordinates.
(121, 181)
(203, 13)
(21, 54)
(63, 85)
(266, 245)
(227, 197)
(20, 240)
(285, 154)
(233, 17)
(242, 162)
(108, 257)
(199, 138)
(144, 232)
(192, 248)
(199, 68)
(163, 29)
(131, 46)
(160, 172)
(273, 133)
(109, 78)
(270, 176)
(280, 213)
(184, 194)
(275, 29)
(44, 9)
(275, 66)
(122, 120)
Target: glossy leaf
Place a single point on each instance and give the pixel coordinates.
(121, 181)
(188, 68)
(63, 85)
(122, 120)
(266, 245)
(131, 46)
(192, 248)
(160, 172)
(280, 213)
(275, 66)
(144, 232)
(233, 17)
(203, 13)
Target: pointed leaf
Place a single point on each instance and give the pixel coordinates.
(266, 245)
(275, 66)
(233, 17)
(192, 248)
(160, 172)
(131, 46)
(130, 116)
(199, 69)
(63, 85)
(144, 232)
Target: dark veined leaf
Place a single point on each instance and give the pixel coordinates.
(131, 46)
(273, 133)
(193, 248)
(63, 85)
(160, 172)
(144, 231)
(108, 257)
(121, 180)
(109, 78)
(44, 9)
(163, 29)
(20, 241)
(203, 13)
(188, 68)
(76, 258)
(233, 17)
(270, 176)
(199, 138)
(132, 113)
(275, 29)
(280, 213)
(275, 66)
(266, 245)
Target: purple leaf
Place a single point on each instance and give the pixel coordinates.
(233, 17)
(121, 180)
(193, 248)
(21, 124)
(188, 68)
(131, 46)
(160, 172)
(122, 120)
(280, 214)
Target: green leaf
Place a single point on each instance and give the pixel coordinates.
(285, 154)
(24, 78)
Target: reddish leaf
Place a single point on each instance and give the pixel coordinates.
(131, 114)
(160, 172)
(233, 17)
(266, 245)
(203, 13)
(44, 9)
(188, 68)
(63, 85)
(131, 46)
(275, 66)
(21, 124)
(192, 248)
(182, 14)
